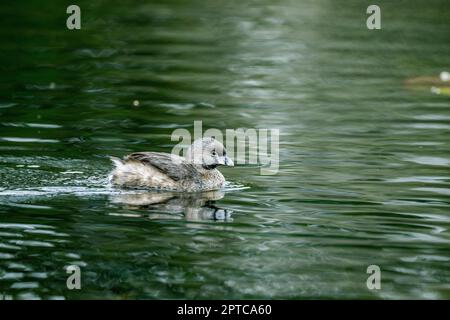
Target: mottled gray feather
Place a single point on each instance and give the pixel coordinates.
(163, 162)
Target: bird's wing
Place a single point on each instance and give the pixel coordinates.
(173, 166)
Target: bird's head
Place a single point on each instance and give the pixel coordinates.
(208, 153)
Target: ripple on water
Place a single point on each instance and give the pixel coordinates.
(436, 126)
(31, 125)
(234, 186)
(10, 234)
(25, 285)
(32, 243)
(24, 226)
(432, 117)
(8, 247)
(47, 232)
(7, 105)
(432, 161)
(6, 255)
(11, 276)
(441, 191)
(419, 179)
(18, 266)
(28, 140)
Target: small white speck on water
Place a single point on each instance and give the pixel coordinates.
(33, 166)
(20, 165)
(136, 103)
(52, 86)
(445, 76)
(435, 90)
(71, 172)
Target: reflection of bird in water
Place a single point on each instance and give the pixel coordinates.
(175, 205)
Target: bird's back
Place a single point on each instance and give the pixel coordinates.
(157, 171)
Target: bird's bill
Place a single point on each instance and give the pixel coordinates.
(228, 162)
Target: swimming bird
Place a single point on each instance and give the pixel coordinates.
(164, 171)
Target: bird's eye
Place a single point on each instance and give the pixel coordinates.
(214, 152)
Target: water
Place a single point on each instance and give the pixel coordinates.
(364, 159)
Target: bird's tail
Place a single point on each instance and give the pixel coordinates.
(117, 162)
